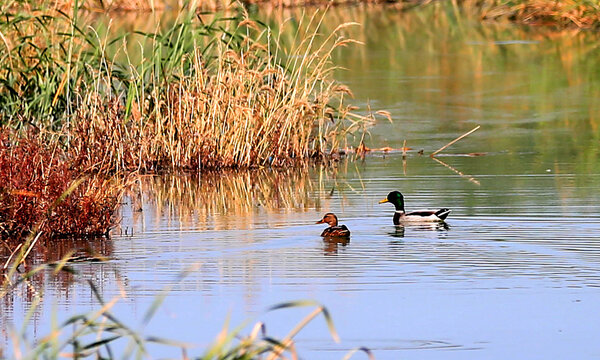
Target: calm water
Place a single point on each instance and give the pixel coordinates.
(515, 274)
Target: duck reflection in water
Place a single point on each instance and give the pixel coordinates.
(331, 245)
(401, 229)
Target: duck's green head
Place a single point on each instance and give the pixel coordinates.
(396, 198)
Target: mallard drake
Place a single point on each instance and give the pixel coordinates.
(334, 230)
(401, 216)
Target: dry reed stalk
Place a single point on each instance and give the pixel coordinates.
(455, 140)
(286, 343)
(11, 256)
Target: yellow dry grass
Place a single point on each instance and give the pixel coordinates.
(249, 108)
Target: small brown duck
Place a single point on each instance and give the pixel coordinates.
(334, 230)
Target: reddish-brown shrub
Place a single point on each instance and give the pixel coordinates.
(41, 188)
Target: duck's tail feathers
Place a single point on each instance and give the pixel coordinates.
(443, 213)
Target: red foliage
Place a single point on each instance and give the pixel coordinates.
(35, 191)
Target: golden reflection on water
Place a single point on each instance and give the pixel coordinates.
(228, 199)
(212, 201)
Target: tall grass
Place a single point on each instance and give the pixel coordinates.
(239, 102)
(203, 95)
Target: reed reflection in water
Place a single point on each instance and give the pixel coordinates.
(225, 200)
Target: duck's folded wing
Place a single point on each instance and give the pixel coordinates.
(343, 230)
(441, 213)
(423, 213)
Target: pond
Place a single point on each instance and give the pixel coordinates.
(516, 273)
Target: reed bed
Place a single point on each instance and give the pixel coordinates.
(206, 96)
(244, 104)
(206, 93)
